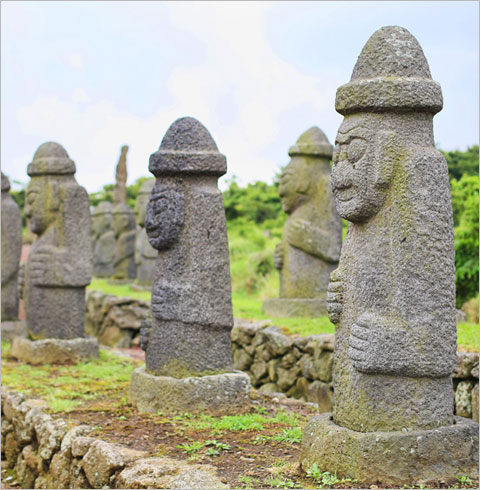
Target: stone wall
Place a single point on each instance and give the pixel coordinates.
(301, 367)
(46, 452)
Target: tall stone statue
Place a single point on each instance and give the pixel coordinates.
(103, 240)
(124, 226)
(11, 251)
(312, 236)
(145, 254)
(120, 190)
(59, 265)
(188, 345)
(392, 297)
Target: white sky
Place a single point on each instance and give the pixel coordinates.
(96, 75)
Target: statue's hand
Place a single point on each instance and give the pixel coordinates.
(296, 233)
(278, 256)
(335, 292)
(44, 264)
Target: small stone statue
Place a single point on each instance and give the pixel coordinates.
(120, 190)
(103, 240)
(145, 254)
(188, 346)
(60, 261)
(312, 236)
(392, 297)
(124, 226)
(11, 251)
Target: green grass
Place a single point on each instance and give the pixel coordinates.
(118, 289)
(467, 336)
(64, 388)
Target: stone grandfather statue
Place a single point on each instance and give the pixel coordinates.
(103, 240)
(145, 254)
(59, 265)
(124, 225)
(392, 297)
(120, 190)
(188, 349)
(312, 236)
(11, 251)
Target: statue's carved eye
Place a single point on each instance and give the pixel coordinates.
(356, 149)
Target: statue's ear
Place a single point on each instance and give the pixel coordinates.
(385, 153)
(55, 196)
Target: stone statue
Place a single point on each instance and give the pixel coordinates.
(60, 261)
(312, 236)
(120, 190)
(124, 226)
(11, 251)
(392, 297)
(103, 240)
(188, 345)
(145, 254)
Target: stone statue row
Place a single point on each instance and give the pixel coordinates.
(119, 241)
(392, 296)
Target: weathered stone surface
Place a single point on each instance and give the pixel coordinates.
(216, 393)
(11, 250)
(475, 403)
(465, 363)
(77, 475)
(463, 399)
(120, 190)
(276, 342)
(103, 459)
(124, 266)
(241, 359)
(395, 458)
(80, 446)
(60, 261)
(270, 388)
(11, 449)
(299, 390)
(312, 236)
(145, 254)
(103, 238)
(168, 473)
(77, 432)
(287, 377)
(54, 351)
(12, 329)
(49, 433)
(321, 394)
(392, 297)
(191, 295)
(323, 366)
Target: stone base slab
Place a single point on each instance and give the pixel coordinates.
(394, 458)
(288, 307)
(54, 351)
(218, 393)
(13, 328)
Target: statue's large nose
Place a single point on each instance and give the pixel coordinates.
(342, 177)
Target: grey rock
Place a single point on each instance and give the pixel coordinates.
(391, 457)
(124, 266)
(270, 388)
(72, 436)
(11, 251)
(475, 403)
(299, 390)
(60, 261)
(217, 393)
(393, 295)
(11, 329)
(287, 377)
(103, 238)
(312, 236)
(259, 370)
(463, 399)
(120, 190)
(465, 363)
(145, 254)
(322, 394)
(241, 359)
(191, 295)
(276, 342)
(49, 433)
(323, 366)
(54, 351)
(80, 445)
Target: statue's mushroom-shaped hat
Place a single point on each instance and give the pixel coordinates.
(312, 142)
(51, 159)
(391, 74)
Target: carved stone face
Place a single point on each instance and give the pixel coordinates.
(101, 223)
(41, 203)
(358, 190)
(293, 185)
(164, 216)
(141, 208)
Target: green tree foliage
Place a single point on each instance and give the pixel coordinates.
(106, 193)
(19, 198)
(462, 162)
(465, 210)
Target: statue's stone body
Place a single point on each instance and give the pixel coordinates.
(312, 236)
(120, 190)
(392, 297)
(11, 251)
(103, 240)
(60, 261)
(145, 254)
(124, 226)
(185, 222)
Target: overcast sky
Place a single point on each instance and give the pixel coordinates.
(96, 75)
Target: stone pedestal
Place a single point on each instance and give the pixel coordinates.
(391, 458)
(54, 351)
(13, 329)
(218, 393)
(290, 307)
